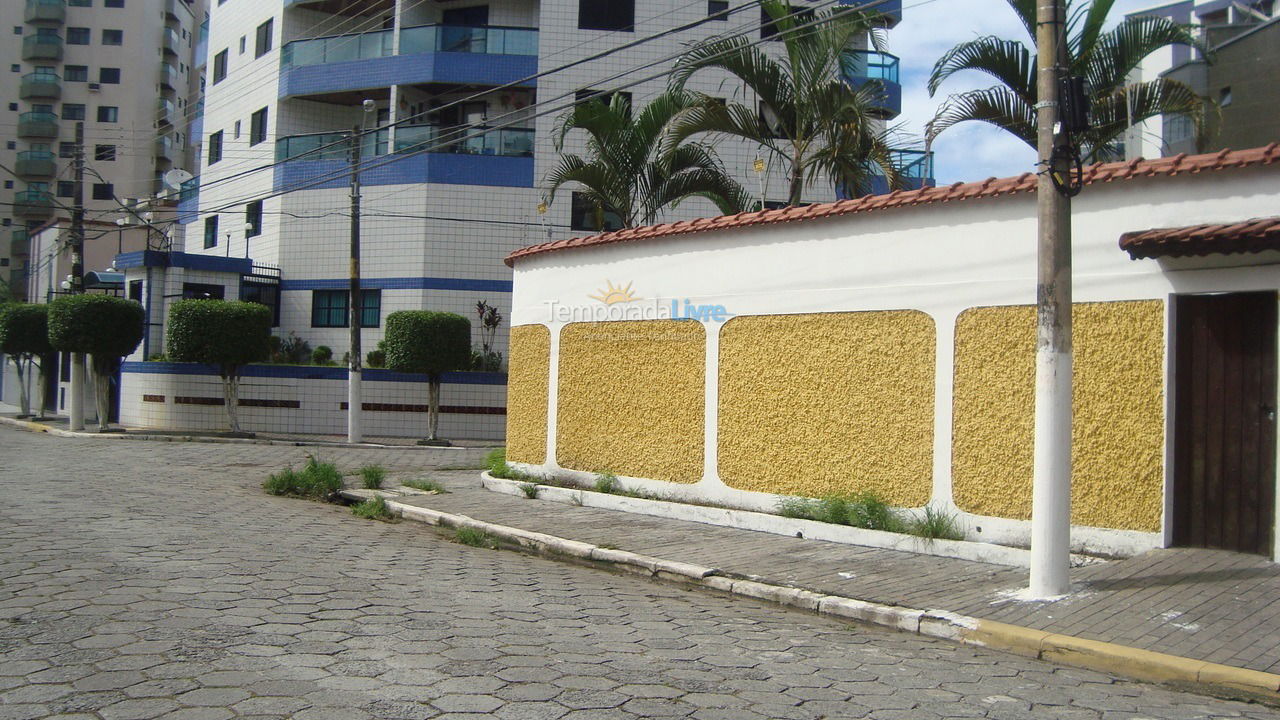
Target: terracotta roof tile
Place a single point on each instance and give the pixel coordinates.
(1250, 236)
(991, 187)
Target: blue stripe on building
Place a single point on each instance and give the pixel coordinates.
(408, 283)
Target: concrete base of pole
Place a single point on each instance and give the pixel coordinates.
(75, 403)
(355, 425)
(1051, 490)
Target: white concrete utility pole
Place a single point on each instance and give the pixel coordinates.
(75, 404)
(1051, 492)
(355, 395)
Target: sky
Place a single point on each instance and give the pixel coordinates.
(969, 151)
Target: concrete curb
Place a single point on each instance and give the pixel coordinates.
(1111, 658)
(59, 432)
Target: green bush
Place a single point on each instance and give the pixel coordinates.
(226, 333)
(372, 476)
(432, 343)
(317, 480)
(24, 337)
(105, 327)
(322, 355)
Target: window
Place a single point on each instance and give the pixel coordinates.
(253, 218)
(718, 9)
(211, 232)
(586, 215)
(109, 76)
(72, 111)
(66, 188)
(262, 41)
(1224, 96)
(1178, 128)
(108, 114)
(769, 121)
(8, 185)
(264, 293)
(66, 149)
(604, 96)
(10, 145)
(77, 36)
(258, 127)
(242, 44)
(80, 3)
(219, 67)
(15, 68)
(135, 290)
(215, 147)
(202, 291)
(103, 191)
(13, 107)
(237, 132)
(104, 153)
(75, 73)
(607, 15)
(329, 308)
(114, 3)
(17, 29)
(112, 37)
(769, 27)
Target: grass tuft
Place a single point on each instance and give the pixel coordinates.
(316, 480)
(530, 490)
(496, 462)
(475, 538)
(864, 510)
(430, 486)
(606, 482)
(935, 525)
(375, 508)
(372, 476)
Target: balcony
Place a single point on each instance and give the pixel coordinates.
(915, 169)
(36, 164)
(165, 112)
(20, 244)
(169, 77)
(46, 11)
(40, 86)
(474, 140)
(33, 204)
(42, 47)
(869, 69)
(428, 54)
(171, 42)
(43, 125)
(165, 148)
(890, 10)
(171, 10)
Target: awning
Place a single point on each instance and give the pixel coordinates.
(1249, 236)
(104, 280)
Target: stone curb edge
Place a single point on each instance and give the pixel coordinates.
(59, 432)
(1112, 658)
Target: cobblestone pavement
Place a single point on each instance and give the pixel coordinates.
(143, 580)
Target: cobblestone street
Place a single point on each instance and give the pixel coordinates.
(147, 579)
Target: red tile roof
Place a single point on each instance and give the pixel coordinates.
(991, 187)
(1250, 236)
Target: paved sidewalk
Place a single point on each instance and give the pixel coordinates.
(1206, 605)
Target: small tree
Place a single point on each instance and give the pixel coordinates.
(226, 333)
(105, 327)
(433, 343)
(24, 336)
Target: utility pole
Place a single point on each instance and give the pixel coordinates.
(1051, 491)
(355, 397)
(75, 406)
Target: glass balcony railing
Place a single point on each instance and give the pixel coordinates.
(46, 11)
(42, 47)
(168, 76)
(454, 38)
(189, 190)
(19, 244)
(871, 65)
(165, 111)
(511, 142)
(164, 148)
(329, 146)
(913, 164)
(33, 203)
(40, 85)
(36, 163)
(171, 42)
(37, 125)
(340, 48)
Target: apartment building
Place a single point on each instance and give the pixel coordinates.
(124, 69)
(473, 91)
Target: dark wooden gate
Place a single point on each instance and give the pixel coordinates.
(1224, 421)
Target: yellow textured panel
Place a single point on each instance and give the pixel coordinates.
(825, 404)
(1118, 405)
(527, 378)
(631, 398)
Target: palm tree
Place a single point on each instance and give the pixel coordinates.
(811, 120)
(627, 175)
(1103, 58)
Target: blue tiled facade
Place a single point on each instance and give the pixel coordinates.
(447, 168)
(435, 67)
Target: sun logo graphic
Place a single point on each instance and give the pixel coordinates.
(612, 294)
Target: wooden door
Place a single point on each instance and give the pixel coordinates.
(1224, 421)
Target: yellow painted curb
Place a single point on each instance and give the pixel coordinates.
(1009, 638)
(1121, 660)
(1252, 682)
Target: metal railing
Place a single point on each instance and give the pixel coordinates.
(413, 40)
(339, 48)
(336, 146)
(510, 142)
(871, 64)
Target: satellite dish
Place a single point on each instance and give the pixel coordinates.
(175, 177)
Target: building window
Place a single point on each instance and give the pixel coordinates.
(75, 73)
(104, 153)
(114, 3)
(607, 15)
(15, 68)
(586, 215)
(8, 185)
(219, 67)
(202, 291)
(112, 37)
(718, 9)
(66, 188)
(263, 293)
(769, 27)
(80, 3)
(108, 114)
(72, 111)
(253, 218)
(1178, 128)
(13, 107)
(103, 191)
(258, 127)
(78, 36)
(17, 29)
(603, 96)
(211, 232)
(242, 45)
(109, 76)
(236, 134)
(262, 41)
(215, 147)
(329, 308)
(66, 149)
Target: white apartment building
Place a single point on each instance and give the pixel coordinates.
(285, 77)
(125, 69)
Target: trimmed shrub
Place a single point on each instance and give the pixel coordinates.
(107, 328)
(24, 337)
(322, 355)
(432, 343)
(226, 333)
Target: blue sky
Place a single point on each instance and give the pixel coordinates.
(970, 151)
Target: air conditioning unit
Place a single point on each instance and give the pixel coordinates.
(94, 87)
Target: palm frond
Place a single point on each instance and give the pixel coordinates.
(996, 105)
(1118, 51)
(1113, 113)
(1008, 61)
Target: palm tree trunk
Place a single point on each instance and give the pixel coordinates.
(797, 178)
